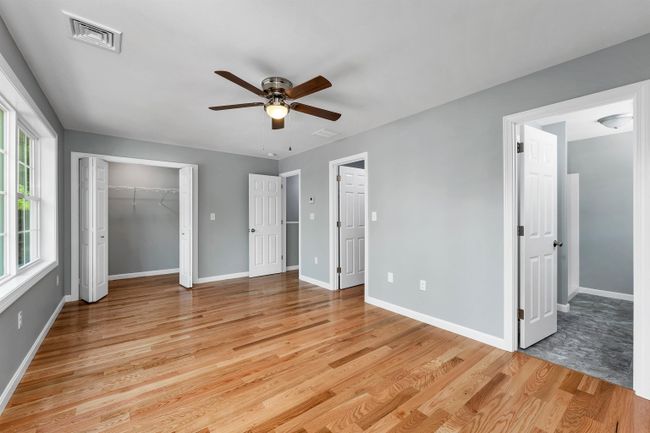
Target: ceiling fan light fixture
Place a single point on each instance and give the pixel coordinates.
(276, 109)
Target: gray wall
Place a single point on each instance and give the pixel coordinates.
(606, 186)
(142, 236)
(39, 302)
(443, 221)
(222, 188)
(293, 204)
(559, 130)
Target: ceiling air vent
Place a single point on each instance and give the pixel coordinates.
(325, 133)
(95, 34)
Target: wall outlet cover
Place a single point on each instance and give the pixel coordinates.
(390, 277)
(373, 216)
(212, 216)
(315, 260)
(20, 319)
(423, 285)
(312, 216)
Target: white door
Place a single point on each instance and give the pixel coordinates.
(537, 250)
(265, 225)
(93, 217)
(352, 218)
(185, 226)
(573, 232)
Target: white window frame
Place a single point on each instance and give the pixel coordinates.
(34, 182)
(4, 231)
(22, 112)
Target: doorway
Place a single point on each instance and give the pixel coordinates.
(90, 190)
(531, 271)
(349, 221)
(291, 229)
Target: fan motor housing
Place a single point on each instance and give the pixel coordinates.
(275, 85)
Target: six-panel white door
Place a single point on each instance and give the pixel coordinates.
(93, 227)
(352, 215)
(265, 225)
(185, 226)
(537, 250)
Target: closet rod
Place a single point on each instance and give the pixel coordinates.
(141, 188)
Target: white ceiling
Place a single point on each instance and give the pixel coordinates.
(386, 59)
(584, 124)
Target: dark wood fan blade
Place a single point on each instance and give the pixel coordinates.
(308, 87)
(277, 123)
(315, 111)
(246, 85)
(230, 107)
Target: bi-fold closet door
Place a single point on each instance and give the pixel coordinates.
(93, 228)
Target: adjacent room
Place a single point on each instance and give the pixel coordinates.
(335, 217)
(592, 326)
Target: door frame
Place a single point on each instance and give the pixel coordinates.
(74, 210)
(639, 93)
(284, 177)
(334, 210)
(572, 228)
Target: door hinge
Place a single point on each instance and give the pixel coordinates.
(520, 147)
(520, 230)
(338, 177)
(520, 314)
(338, 269)
(338, 224)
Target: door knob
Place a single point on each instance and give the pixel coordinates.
(252, 230)
(557, 243)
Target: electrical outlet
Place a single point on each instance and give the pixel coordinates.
(423, 285)
(57, 280)
(20, 319)
(389, 277)
(373, 216)
(212, 216)
(312, 216)
(315, 260)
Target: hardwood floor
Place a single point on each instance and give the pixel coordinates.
(275, 354)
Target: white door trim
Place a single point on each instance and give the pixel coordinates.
(573, 233)
(74, 210)
(284, 177)
(333, 210)
(640, 94)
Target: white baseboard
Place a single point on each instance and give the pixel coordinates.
(572, 294)
(491, 340)
(565, 308)
(69, 298)
(22, 368)
(606, 294)
(142, 274)
(315, 282)
(293, 267)
(222, 277)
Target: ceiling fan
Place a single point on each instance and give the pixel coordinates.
(276, 91)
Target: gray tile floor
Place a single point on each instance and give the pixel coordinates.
(594, 337)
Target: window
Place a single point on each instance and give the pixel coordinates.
(28, 193)
(26, 201)
(3, 193)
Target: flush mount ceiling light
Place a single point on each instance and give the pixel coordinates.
(616, 121)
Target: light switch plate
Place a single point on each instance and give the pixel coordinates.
(389, 277)
(212, 216)
(373, 216)
(312, 216)
(315, 260)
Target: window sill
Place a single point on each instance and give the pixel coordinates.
(14, 288)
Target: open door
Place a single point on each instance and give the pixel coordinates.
(265, 225)
(352, 218)
(185, 226)
(538, 243)
(93, 227)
